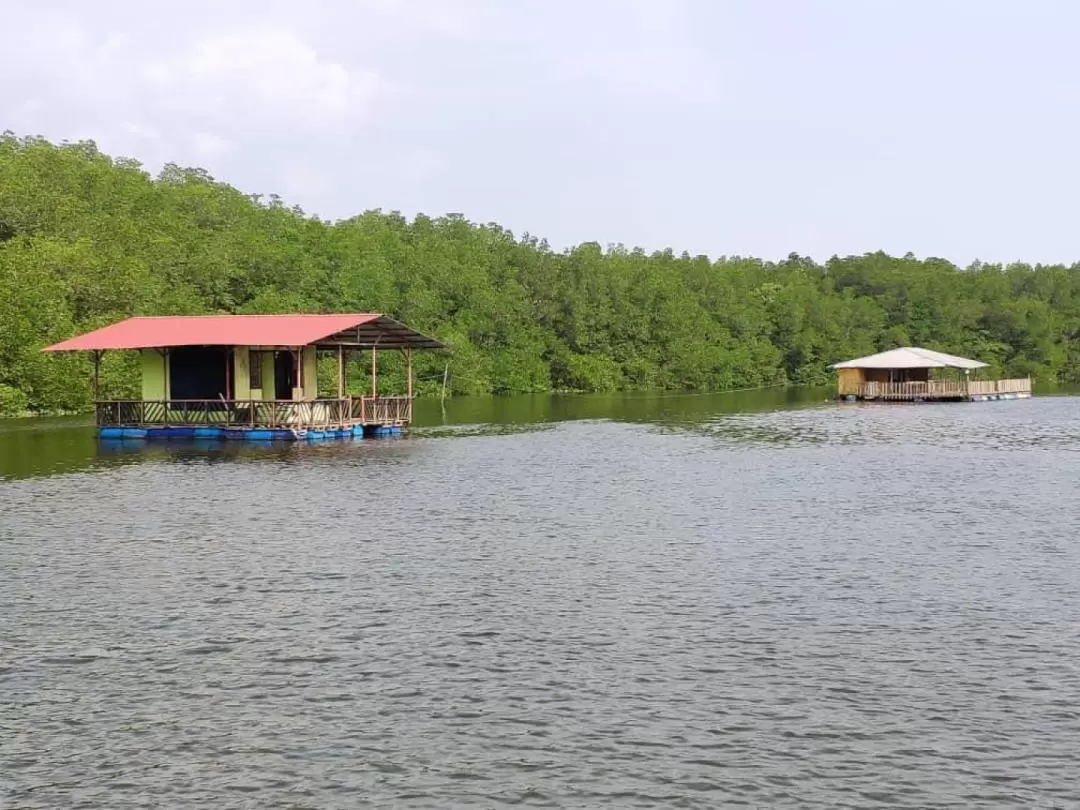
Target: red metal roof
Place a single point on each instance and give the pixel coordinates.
(157, 332)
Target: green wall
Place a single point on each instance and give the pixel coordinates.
(267, 375)
(154, 365)
(154, 377)
(311, 374)
(242, 373)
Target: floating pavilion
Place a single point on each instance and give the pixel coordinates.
(250, 376)
(912, 374)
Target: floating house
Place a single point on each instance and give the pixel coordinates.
(912, 374)
(250, 376)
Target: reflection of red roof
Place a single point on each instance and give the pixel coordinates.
(243, 330)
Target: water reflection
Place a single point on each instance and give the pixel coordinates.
(640, 408)
(779, 417)
(1046, 424)
(30, 447)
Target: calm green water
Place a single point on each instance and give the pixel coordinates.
(757, 600)
(45, 446)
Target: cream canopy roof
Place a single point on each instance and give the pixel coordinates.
(911, 357)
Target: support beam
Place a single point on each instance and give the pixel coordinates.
(97, 375)
(374, 373)
(298, 372)
(229, 372)
(341, 372)
(408, 376)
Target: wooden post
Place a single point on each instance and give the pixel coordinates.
(228, 373)
(340, 372)
(408, 375)
(168, 385)
(298, 373)
(97, 375)
(374, 373)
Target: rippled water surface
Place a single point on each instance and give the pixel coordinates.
(665, 603)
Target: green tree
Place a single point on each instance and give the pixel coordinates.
(86, 239)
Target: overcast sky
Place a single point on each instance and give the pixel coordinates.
(753, 127)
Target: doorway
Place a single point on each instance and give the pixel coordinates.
(284, 375)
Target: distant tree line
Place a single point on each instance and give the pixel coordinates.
(86, 239)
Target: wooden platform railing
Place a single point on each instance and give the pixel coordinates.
(277, 413)
(942, 389)
(984, 387)
(226, 413)
(382, 410)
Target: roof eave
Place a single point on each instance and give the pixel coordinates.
(367, 331)
(974, 365)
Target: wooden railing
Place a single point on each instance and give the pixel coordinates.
(276, 413)
(984, 387)
(942, 389)
(226, 413)
(382, 410)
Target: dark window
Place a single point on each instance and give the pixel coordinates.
(196, 372)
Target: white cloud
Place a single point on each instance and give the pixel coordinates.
(195, 95)
(453, 20)
(137, 130)
(210, 146)
(271, 72)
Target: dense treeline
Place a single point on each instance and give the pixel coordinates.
(86, 240)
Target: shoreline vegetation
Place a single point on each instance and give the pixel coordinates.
(86, 239)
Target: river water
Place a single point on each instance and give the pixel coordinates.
(750, 600)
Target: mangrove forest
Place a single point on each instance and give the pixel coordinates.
(87, 239)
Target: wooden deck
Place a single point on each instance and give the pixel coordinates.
(941, 390)
(346, 412)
